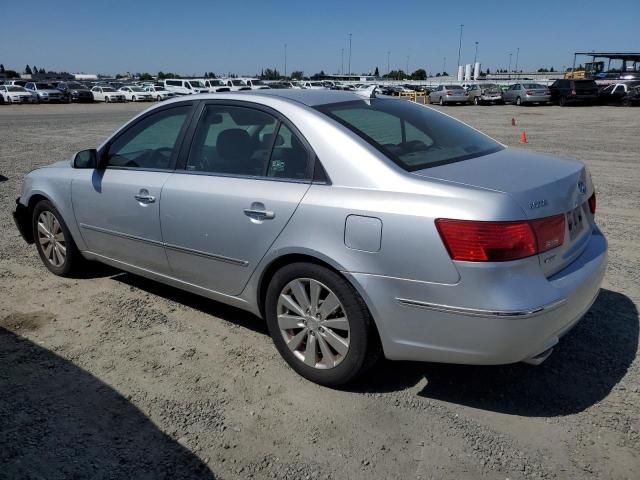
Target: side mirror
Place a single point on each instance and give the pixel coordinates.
(86, 159)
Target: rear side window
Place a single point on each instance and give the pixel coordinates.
(413, 136)
(246, 142)
(150, 143)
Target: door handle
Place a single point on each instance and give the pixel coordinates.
(143, 196)
(259, 214)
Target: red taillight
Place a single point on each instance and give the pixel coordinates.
(592, 203)
(549, 232)
(573, 92)
(449, 93)
(473, 241)
(530, 92)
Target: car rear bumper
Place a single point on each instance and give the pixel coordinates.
(490, 98)
(518, 314)
(537, 98)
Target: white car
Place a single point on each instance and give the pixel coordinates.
(185, 87)
(237, 84)
(17, 94)
(159, 93)
(216, 85)
(255, 83)
(313, 85)
(107, 94)
(136, 94)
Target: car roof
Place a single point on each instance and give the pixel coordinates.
(307, 97)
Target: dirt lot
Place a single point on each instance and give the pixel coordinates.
(114, 376)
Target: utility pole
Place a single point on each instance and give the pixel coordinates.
(388, 69)
(475, 57)
(285, 60)
(460, 44)
(407, 70)
(517, 55)
(342, 62)
(509, 69)
(350, 54)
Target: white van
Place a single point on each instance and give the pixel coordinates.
(236, 84)
(185, 87)
(216, 85)
(255, 83)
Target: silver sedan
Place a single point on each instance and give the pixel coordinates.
(354, 226)
(448, 94)
(527, 93)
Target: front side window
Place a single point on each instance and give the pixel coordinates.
(150, 143)
(412, 136)
(246, 142)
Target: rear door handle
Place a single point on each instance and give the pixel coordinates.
(143, 196)
(257, 211)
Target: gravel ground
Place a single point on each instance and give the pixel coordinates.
(114, 376)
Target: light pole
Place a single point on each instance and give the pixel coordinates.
(444, 64)
(388, 56)
(517, 55)
(509, 69)
(285, 60)
(475, 57)
(342, 62)
(460, 44)
(349, 54)
(407, 70)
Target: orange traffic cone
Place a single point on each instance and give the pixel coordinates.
(513, 122)
(523, 137)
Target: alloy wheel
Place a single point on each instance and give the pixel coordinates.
(313, 323)
(51, 238)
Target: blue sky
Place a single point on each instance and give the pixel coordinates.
(193, 36)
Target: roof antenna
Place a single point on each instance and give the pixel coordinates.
(369, 92)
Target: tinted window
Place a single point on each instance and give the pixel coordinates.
(411, 135)
(227, 140)
(289, 157)
(151, 142)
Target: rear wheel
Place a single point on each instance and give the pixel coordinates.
(320, 324)
(158, 98)
(441, 101)
(106, 99)
(476, 100)
(518, 101)
(55, 245)
(562, 101)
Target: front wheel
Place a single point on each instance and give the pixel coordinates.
(106, 100)
(320, 324)
(54, 243)
(476, 100)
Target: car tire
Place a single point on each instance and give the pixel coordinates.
(562, 101)
(9, 101)
(106, 100)
(441, 101)
(159, 98)
(333, 359)
(518, 101)
(53, 240)
(133, 98)
(476, 100)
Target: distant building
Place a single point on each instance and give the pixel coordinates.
(85, 76)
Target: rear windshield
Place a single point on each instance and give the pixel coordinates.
(453, 87)
(413, 136)
(533, 86)
(582, 84)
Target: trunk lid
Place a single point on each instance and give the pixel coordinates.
(541, 185)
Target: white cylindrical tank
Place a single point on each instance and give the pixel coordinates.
(467, 72)
(476, 71)
(460, 72)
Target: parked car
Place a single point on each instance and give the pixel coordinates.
(20, 83)
(75, 92)
(216, 85)
(185, 87)
(136, 94)
(483, 93)
(565, 91)
(448, 94)
(107, 94)
(313, 85)
(16, 94)
(352, 225)
(255, 83)
(45, 91)
(527, 93)
(237, 84)
(627, 94)
(159, 92)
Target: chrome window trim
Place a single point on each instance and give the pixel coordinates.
(476, 312)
